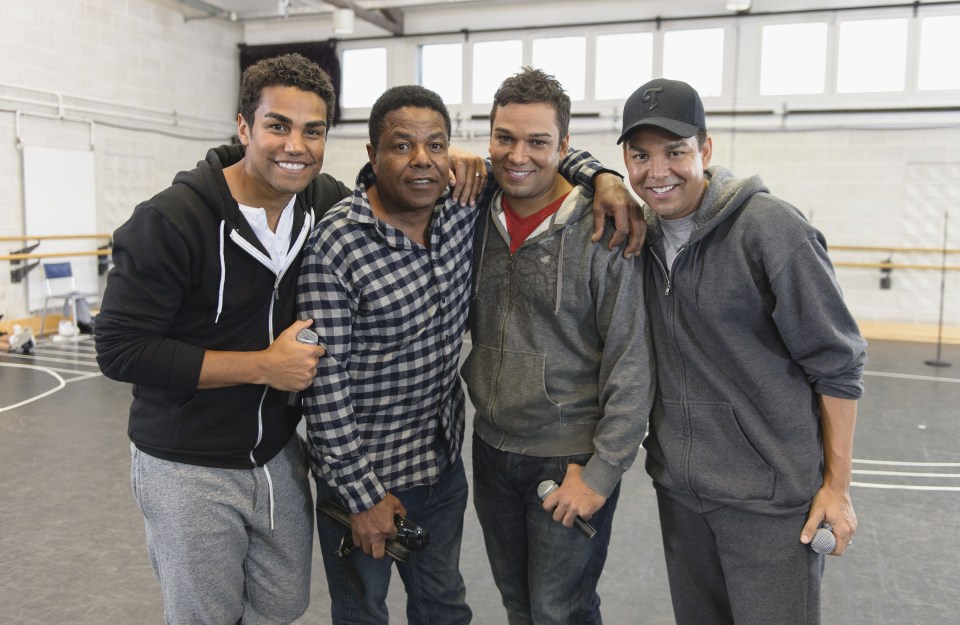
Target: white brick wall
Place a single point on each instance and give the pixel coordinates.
(870, 187)
(134, 52)
(860, 187)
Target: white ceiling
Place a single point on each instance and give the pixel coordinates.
(390, 15)
(386, 14)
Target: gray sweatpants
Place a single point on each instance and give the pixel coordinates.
(728, 566)
(229, 546)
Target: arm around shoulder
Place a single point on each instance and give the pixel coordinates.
(626, 375)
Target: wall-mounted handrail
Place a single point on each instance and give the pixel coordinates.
(890, 248)
(20, 266)
(51, 237)
(101, 252)
(895, 266)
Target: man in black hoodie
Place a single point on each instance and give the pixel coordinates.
(198, 314)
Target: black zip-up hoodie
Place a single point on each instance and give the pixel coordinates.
(190, 275)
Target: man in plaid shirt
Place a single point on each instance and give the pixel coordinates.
(386, 279)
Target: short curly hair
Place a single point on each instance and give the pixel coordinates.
(532, 86)
(288, 70)
(399, 97)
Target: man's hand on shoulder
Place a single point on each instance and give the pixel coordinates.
(611, 197)
(468, 176)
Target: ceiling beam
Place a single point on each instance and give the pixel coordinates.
(211, 10)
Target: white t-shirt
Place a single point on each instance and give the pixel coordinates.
(276, 243)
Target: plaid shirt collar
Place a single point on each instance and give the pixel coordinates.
(361, 212)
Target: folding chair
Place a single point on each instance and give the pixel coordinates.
(61, 285)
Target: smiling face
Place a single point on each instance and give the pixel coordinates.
(284, 143)
(525, 150)
(667, 171)
(410, 160)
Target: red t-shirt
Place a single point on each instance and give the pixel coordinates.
(519, 228)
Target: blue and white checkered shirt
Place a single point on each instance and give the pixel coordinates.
(386, 409)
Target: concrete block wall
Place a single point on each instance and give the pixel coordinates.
(859, 187)
(137, 53)
(873, 188)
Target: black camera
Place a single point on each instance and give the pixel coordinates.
(410, 536)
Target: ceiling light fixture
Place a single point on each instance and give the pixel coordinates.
(739, 7)
(343, 21)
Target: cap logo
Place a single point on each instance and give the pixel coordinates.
(650, 95)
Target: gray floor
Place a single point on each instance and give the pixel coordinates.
(72, 544)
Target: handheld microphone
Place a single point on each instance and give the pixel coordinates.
(548, 486)
(824, 541)
(308, 336)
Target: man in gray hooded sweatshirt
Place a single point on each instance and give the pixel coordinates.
(759, 366)
(560, 372)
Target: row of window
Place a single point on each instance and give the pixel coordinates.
(811, 57)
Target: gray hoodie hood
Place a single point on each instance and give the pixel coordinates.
(724, 195)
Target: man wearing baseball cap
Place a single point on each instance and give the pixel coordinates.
(759, 368)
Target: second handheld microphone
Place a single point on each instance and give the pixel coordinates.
(308, 336)
(824, 541)
(548, 486)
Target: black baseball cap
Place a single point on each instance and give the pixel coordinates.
(672, 105)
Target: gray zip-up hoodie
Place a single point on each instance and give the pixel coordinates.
(749, 327)
(561, 363)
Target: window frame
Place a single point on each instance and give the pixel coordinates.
(740, 103)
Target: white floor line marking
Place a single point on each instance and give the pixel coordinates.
(83, 376)
(71, 371)
(61, 384)
(66, 352)
(906, 487)
(904, 473)
(894, 463)
(89, 362)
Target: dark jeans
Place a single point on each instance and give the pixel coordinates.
(436, 594)
(547, 573)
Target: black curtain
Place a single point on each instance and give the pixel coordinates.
(323, 53)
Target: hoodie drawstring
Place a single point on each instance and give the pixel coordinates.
(266, 472)
(223, 273)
